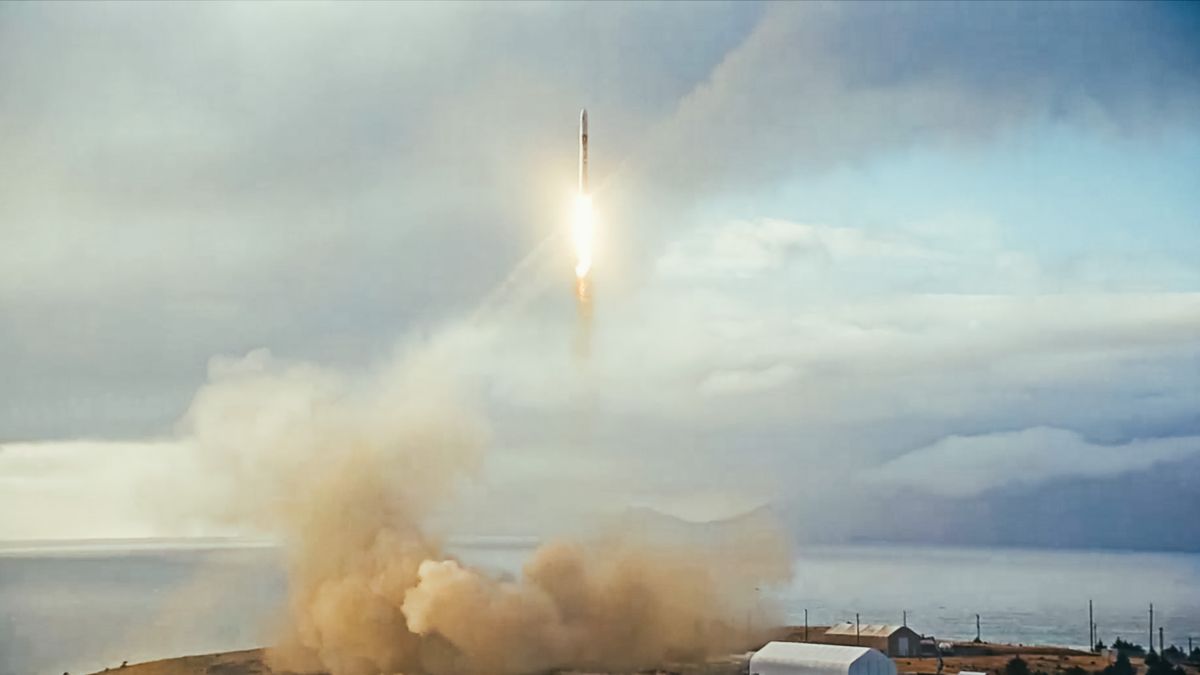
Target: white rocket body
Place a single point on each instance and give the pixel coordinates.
(583, 152)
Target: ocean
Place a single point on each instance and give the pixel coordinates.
(81, 607)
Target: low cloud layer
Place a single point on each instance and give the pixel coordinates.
(965, 466)
(84, 489)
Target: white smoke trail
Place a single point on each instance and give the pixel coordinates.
(528, 279)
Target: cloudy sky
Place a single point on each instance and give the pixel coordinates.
(898, 272)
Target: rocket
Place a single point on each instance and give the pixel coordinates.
(583, 169)
(582, 228)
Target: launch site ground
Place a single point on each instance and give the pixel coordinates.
(1050, 660)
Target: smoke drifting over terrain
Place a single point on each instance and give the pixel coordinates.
(349, 471)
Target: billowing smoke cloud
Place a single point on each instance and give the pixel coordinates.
(615, 604)
(349, 471)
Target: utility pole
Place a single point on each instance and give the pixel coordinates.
(1160, 641)
(806, 624)
(1150, 647)
(1091, 628)
(857, 631)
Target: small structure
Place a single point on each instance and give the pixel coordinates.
(895, 641)
(805, 658)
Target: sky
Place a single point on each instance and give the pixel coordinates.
(903, 272)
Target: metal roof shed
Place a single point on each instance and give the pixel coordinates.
(891, 640)
(804, 658)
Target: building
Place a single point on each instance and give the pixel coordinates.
(891, 640)
(806, 658)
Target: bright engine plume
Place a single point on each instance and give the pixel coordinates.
(583, 234)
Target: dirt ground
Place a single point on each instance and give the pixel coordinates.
(248, 662)
(1046, 662)
(1051, 660)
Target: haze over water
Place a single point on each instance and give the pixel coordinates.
(81, 608)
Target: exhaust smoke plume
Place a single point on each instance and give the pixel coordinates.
(583, 305)
(348, 472)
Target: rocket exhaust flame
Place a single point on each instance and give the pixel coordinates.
(583, 233)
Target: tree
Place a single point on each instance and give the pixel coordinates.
(1163, 667)
(1016, 666)
(1100, 645)
(1121, 667)
(1127, 647)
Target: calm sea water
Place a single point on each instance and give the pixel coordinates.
(80, 608)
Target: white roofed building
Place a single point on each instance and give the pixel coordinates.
(806, 658)
(891, 640)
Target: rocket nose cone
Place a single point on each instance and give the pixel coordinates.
(583, 119)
